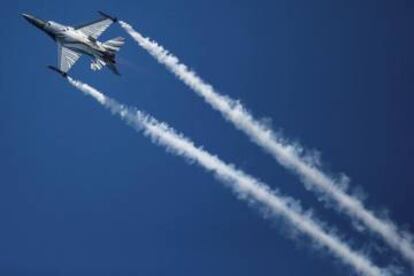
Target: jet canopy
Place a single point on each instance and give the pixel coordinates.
(51, 25)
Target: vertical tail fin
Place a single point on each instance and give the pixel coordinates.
(113, 68)
(113, 46)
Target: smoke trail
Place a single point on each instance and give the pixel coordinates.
(288, 155)
(245, 186)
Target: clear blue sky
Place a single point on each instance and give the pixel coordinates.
(83, 194)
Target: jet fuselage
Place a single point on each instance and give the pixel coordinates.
(73, 39)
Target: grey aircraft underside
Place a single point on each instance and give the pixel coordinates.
(74, 41)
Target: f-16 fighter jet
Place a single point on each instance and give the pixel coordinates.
(74, 41)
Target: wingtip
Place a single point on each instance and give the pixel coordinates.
(63, 74)
(114, 19)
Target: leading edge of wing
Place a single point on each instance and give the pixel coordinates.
(104, 17)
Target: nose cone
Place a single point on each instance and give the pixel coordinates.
(34, 21)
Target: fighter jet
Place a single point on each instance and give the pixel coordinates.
(77, 40)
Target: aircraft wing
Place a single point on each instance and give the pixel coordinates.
(96, 28)
(66, 58)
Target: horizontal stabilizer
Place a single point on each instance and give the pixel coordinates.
(113, 45)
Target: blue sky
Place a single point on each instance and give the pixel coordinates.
(83, 194)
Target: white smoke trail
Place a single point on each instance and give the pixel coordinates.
(245, 186)
(288, 155)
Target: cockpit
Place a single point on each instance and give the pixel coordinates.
(56, 26)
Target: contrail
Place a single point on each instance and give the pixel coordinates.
(245, 186)
(288, 155)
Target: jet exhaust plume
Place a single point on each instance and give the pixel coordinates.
(286, 154)
(245, 186)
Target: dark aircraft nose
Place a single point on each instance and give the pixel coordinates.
(35, 21)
